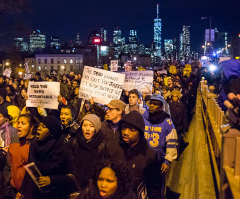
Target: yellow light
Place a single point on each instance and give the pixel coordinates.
(203, 46)
(237, 57)
(20, 73)
(7, 63)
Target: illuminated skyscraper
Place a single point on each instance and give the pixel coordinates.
(133, 36)
(78, 42)
(186, 41)
(55, 42)
(168, 45)
(21, 44)
(117, 37)
(157, 35)
(103, 34)
(37, 41)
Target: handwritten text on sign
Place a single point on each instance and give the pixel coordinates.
(103, 85)
(43, 94)
(140, 80)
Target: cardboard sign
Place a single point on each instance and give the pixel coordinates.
(166, 80)
(128, 66)
(7, 72)
(43, 94)
(188, 66)
(222, 59)
(173, 69)
(28, 76)
(114, 65)
(103, 85)
(140, 80)
(105, 67)
(162, 72)
(186, 71)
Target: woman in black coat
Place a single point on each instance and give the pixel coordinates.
(85, 148)
(109, 181)
(52, 159)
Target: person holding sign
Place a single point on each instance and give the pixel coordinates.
(50, 156)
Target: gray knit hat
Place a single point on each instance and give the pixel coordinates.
(94, 119)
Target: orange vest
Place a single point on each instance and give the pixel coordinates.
(19, 158)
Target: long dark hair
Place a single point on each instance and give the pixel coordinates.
(121, 172)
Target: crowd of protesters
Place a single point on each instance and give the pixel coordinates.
(94, 150)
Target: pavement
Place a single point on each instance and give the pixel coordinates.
(191, 176)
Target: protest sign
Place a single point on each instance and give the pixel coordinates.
(43, 94)
(114, 65)
(103, 85)
(28, 76)
(7, 72)
(173, 69)
(128, 66)
(222, 59)
(186, 71)
(34, 172)
(166, 80)
(162, 72)
(27, 69)
(140, 80)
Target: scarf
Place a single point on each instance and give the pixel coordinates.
(7, 133)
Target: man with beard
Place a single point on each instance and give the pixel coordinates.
(162, 138)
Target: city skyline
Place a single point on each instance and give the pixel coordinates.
(66, 19)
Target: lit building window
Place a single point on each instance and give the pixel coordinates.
(39, 68)
(71, 61)
(65, 61)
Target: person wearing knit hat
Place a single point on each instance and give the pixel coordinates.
(86, 147)
(90, 125)
(48, 151)
(49, 126)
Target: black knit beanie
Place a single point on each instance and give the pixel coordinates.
(4, 111)
(53, 124)
(135, 120)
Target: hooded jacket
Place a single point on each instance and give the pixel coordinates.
(138, 159)
(231, 71)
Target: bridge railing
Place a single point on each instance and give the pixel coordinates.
(224, 146)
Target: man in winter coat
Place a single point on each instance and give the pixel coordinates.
(132, 148)
(113, 116)
(161, 136)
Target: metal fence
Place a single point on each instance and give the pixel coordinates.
(224, 146)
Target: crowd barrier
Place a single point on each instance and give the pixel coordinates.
(224, 146)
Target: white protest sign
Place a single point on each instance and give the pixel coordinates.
(103, 85)
(28, 76)
(222, 59)
(7, 72)
(43, 94)
(140, 80)
(27, 70)
(128, 66)
(114, 65)
(162, 72)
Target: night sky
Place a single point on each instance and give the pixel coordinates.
(65, 18)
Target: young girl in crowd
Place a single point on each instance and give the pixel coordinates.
(109, 181)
